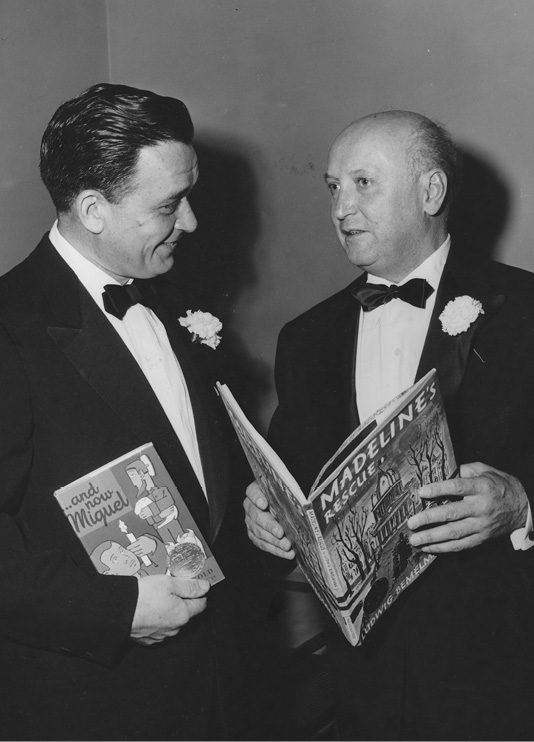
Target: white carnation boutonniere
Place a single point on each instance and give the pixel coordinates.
(459, 314)
(203, 326)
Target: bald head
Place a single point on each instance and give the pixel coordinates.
(425, 144)
(389, 191)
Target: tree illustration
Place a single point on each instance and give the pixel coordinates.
(436, 432)
(416, 455)
(427, 452)
(351, 545)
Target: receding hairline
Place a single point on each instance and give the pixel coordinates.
(391, 121)
(406, 127)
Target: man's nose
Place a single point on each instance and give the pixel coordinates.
(186, 219)
(345, 204)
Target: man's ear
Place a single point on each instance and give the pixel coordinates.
(90, 208)
(435, 190)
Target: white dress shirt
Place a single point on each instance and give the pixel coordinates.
(391, 339)
(390, 343)
(146, 338)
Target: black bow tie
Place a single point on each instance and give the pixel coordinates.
(118, 299)
(373, 295)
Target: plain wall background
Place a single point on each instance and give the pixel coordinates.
(269, 84)
(50, 50)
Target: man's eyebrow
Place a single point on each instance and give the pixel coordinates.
(353, 173)
(178, 196)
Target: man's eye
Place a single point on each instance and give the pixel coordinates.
(169, 208)
(332, 187)
(364, 182)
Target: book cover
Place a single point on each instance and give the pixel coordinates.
(350, 533)
(132, 520)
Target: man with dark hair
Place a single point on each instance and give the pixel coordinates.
(451, 659)
(94, 362)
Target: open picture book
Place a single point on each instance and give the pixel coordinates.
(349, 533)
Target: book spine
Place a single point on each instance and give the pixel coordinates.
(330, 570)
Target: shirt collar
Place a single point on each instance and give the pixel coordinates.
(430, 269)
(90, 275)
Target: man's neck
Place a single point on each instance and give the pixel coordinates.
(83, 242)
(425, 268)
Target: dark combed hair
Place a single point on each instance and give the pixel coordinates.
(93, 141)
(434, 147)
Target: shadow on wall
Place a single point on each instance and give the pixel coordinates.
(216, 264)
(482, 207)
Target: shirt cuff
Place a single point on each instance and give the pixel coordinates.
(523, 538)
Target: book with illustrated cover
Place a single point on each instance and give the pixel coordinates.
(132, 520)
(350, 534)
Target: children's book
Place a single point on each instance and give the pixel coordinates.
(350, 534)
(132, 520)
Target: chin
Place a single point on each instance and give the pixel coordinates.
(357, 258)
(159, 268)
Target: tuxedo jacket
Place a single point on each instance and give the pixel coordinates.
(452, 658)
(72, 398)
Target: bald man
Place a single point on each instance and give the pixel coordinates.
(451, 658)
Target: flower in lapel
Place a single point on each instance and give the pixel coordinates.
(459, 314)
(204, 327)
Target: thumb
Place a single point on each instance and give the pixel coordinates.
(189, 588)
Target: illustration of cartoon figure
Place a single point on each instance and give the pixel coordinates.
(155, 505)
(110, 558)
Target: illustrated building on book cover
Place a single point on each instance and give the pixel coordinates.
(350, 533)
(132, 520)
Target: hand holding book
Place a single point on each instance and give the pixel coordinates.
(164, 606)
(481, 503)
(263, 529)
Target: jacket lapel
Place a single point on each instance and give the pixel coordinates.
(210, 428)
(449, 354)
(96, 351)
(335, 380)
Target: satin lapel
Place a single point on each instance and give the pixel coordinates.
(210, 428)
(334, 377)
(98, 354)
(449, 354)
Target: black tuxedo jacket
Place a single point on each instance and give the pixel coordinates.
(452, 657)
(71, 399)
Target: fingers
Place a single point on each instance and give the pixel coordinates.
(457, 487)
(454, 536)
(143, 545)
(264, 530)
(257, 497)
(156, 637)
(449, 546)
(189, 589)
(446, 513)
(261, 523)
(492, 504)
(164, 605)
(474, 479)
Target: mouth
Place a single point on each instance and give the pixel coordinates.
(352, 232)
(171, 243)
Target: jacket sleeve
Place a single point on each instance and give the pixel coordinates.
(46, 600)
